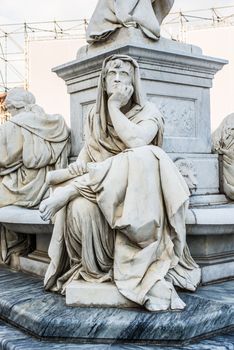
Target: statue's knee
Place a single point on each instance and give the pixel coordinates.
(83, 206)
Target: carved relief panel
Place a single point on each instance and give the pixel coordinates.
(179, 115)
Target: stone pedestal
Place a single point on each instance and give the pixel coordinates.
(210, 237)
(177, 77)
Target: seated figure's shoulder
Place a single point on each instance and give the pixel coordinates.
(151, 111)
(152, 107)
(57, 118)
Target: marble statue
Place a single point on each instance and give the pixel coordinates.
(121, 212)
(188, 171)
(3, 111)
(111, 15)
(31, 143)
(223, 144)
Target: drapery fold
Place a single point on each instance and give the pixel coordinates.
(31, 144)
(110, 15)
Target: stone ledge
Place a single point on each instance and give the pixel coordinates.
(23, 220)
(25, 304)
(216, 272)
(222, 215)
(18, 215)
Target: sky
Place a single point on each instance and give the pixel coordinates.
(211, 41)
(43, 10)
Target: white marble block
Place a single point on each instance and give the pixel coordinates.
(82, 293)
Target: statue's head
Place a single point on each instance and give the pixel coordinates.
(117, 70)
(117, 73)
(17, 99)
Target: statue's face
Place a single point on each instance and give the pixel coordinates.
(117, 76)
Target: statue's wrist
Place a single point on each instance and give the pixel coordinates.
(114, 104)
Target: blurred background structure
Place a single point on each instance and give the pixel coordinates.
(29, 50)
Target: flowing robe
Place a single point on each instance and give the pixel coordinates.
(31, 144)
(127, 224)
(110, 15)
(223, 144)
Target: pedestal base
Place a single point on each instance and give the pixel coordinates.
(82, 293)
(33, 266)
(24, 303)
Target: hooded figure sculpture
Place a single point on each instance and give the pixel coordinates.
(110, 15)
(223, 144)
(31, 143)
(124, 219)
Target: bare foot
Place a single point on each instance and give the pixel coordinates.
(50, 206)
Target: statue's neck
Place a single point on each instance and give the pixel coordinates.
(125, 109)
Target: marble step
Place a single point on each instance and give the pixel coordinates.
(24, 303)
(12, 338)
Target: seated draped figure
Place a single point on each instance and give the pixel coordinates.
(121, 216)
(223, 144)
(110, 15)
(31, 143)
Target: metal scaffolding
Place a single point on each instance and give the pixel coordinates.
(177, 24)
(15, 38)
(14, 46)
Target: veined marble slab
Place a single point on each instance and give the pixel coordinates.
(12, 338)
(24, 303)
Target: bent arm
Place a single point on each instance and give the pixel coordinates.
(77, 168)
(133, 135)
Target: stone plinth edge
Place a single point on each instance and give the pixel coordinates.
(25, 304)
